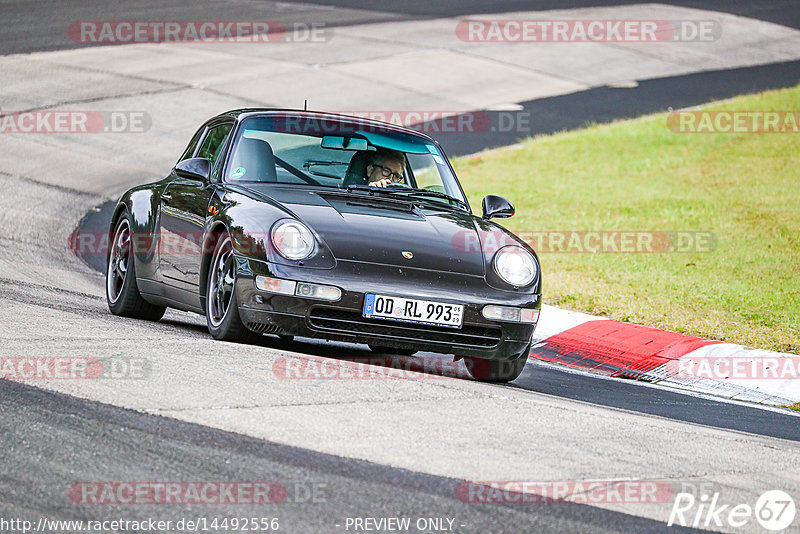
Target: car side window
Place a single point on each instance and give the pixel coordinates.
(192, 145)
(214, 141)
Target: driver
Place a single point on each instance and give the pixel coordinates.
(385, 167)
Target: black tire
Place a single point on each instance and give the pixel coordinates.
(222, 308)
(497, 370)
(388, 350)
(122, 293)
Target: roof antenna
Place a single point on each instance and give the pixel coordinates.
(305, 105)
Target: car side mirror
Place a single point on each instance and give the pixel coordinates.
(194, 169)
(495, 207)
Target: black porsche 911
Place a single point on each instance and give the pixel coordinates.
(311, 224)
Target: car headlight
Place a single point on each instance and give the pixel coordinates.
(292, 239)
(515, 265)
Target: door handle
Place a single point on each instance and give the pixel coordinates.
(166, 196)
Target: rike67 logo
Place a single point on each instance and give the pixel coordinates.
(774, 510)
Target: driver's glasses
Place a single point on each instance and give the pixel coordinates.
(387, 172)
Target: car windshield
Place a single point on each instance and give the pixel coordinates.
(341, 154)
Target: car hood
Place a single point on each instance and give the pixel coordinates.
(378, 230)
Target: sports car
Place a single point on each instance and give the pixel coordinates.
(319, 225)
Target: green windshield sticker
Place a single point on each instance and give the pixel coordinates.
(432, 149)
(238, 173)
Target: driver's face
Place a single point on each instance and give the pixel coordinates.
(392, 168)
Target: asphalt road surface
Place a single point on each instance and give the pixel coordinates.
(56, 440)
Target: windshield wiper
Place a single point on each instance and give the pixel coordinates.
(370, 198)
(405, 191)
(367, 189)
(429, 193)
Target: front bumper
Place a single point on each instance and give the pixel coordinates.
(343, 320)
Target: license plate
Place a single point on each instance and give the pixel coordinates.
(413, 310)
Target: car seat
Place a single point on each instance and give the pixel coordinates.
(357, 170)
(256, 158)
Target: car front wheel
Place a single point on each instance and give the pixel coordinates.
(497, 370)
(222, 309)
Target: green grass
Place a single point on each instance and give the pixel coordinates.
(639, 175)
